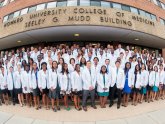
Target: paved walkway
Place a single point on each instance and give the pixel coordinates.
(152, 113)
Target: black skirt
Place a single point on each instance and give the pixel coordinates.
(4, 91)
(45, 91)
(78, 93)
(36, 92)
(136, 90)
(18, 91)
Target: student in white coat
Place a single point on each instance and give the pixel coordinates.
(137, 85)
(118, 80)
(18, 85)
(25, 79)
(3, 84)
(65, 84)
(155, 84)
(128, 83)
(89, 84)
(144, 78)
(103, 80)
(43, 84)
(10, 84)
(34, 85)
(76, 81)
(161, 81)
(53, 82)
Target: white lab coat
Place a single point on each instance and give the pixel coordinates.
(25, 79)
(17, 80)
(118, 79)
(76, 81)
(161, 77)
(144, 77)
(53, 78)
(10, 81)
(43, 81)
(88, 79)
(65, 82)
(3, 81)
(138, 82)
(154, 78)
(33, 81)
(101, 84)
(130, 78)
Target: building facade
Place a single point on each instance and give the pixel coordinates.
(140, 22)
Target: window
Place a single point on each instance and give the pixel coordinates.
(105, 4)
(95, 3)
(134, 10)
(40, 7)
(32, 9)
(153, 17)
(84, 2)
(5, 18)
(148, 15)
(126, 8)
(51, 5)
(116, 5)
(142, 12)
(162, 21)
(16, 14)
(10, 16)
(72, 3)
(24, 11)
(62, 3)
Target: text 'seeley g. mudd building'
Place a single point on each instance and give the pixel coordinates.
(140, 22)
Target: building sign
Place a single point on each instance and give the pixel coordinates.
(78, 15)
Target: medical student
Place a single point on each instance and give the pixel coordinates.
(10, 84)
(150, 82)
(53, 82)
(43, 84)
(128, 83)
(118, 80)
(89, 84)
(103, 83)
(18, 85)
(155, 84)
(76, 81)
(34, 85)
(161, 81)
(25, 79)
(137, 85)
(3, 84)
(144, 81)
(65, 83)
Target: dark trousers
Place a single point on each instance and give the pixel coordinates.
(86, 93)
(13, 95)
(113, 90)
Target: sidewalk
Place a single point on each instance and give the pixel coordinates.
(152, 113)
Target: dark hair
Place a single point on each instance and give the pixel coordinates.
(62, 60)
(63, 69)
(88, 62)
(101, 69)
(135, 72)
(144, 66)
(117, 62)
(43, 63)
(71, 60)
(125, 68)
(33, 69)
(149, 68)
(96, 58)
(81, 61)
(76, 66)
(53, 69)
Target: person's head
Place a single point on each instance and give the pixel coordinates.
(44, 66)
(134, 58)
(65, 68)
(77, 68)
(107, 61)
(88, 64)
(143, 67)
(137, 68)
(103, 69)
(161, 67)
(34, 66)
(54, 64)
(61, 61)
(49, 53)
(156, 68)
(119, 46)
(117, 63)
(19, 67)
(150, 67)
(121, 55)
(2, 69)
(11, 69)
(72, 61)
(101, 52)
(31, 61)
(27, 67)
(96, 60)
(89, 54)
(127, 65)
(39, 58)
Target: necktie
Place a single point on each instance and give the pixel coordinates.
(107, 68)
(12, 79)
(116, 74)
(90, 75)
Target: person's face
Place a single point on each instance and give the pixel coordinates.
(103, 69)
(61, 61)
(101, 52)
(11, 69)
(72, 61)
(128, 66)
(39, 58)
(19, 67)
(107, 62)
(78, 68)
(27, 68)
(155, 68)
(119, 46)
(137, 67)
(95, 61)
(143, 67)
(117, 64)
(83, 60)
(44, 67)
(161, 67)
(88, 64)
(54, 64)
(34, 66)
(65, 66)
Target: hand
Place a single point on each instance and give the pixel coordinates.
(105, 88)
(31, 88)
(91, 88)
(25, 88)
